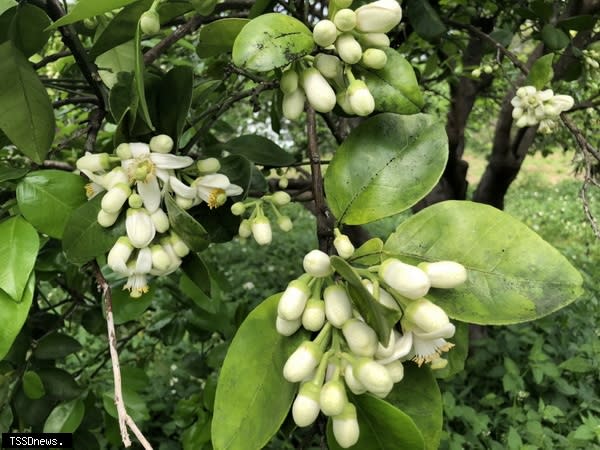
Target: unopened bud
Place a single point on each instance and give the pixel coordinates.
(123, 151)
(305, 409)
(238, 208)
(302, 362)
(444, 274)
(115, 198)
(378, 17)
(135, 201)
(245, 229)
(407, 280)
(161, 260)
(360, 337)
(150, 22)
(345, 19)
(313, 317)
(285, 223)
(283, 183)
(93, 162)
(140, 229)
(261, 230)
(348, 48)
(387, 351)
(329, 65)
(316, 263)
(342, 100)
(345, 427)
(179, 247)
(338, 308)
(289, 81)
(293, 300)
(319, 93)
(333, 398)
(352, 382)
(106, 219)
(287, 327)
(426, 315)
(281, 198)
(161, 144)
(360, 98)
(160, 220)
(376, 40)
(374, 58)
(119, 254)
(293, 104)
(396, 371)
(325, 33)
(374, 376)
(208, 166)
(476, 72)
(343, 246)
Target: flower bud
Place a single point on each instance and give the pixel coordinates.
(293, 104)
(526, 91)
(116, 176)
(106, 219)
(318, 91)
(426, 315)
(289, 81)
(333, 398)
(285, 223)
(330, 66)
(150, 22)
(183, 202)
(161, 144)
(287, 327)
(160, 220)
(444, 274)
(352, 382)
(135, 201)
(476, 72)
(261, 230)
(179, 247)
(281, 198)
(562, 102)
(115, 198)
(345, 427)
(161, 260)
(374, 376)
(360, 337)
(343, 246)
(305, 409)
(93, 162)
(313, 317)
(123, 151)
(523, 121)
(348, 48)
(517, 112)
(487, 69)
(360, 98)
(245, 229)
(238, 208)
(119, 254)
(378, 17)
(293, 300)
(283, 182)
(316, 263)
(302, 362)
(208, 166)
(325, 33)
(345, 19)
(396, 371)
(342, 100)
(407, 280)
(140, 228)
(374, 58)
(338, 308)
(377, 40)
(545, 95)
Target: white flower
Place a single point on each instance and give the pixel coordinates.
(319, 93)
(119, 255)
(348, 48)
(338, 308)
(305, 409)
(137, 272)
(215, 188)
(378, 17)
(261, 230)
(316, 263)
(293, 300)
(407, 280)
(360, 98)
(428, 347)
(140, 228)
(345, 427)
(360, 337)
(333, 398)
(324, 33)
(302, 362)
(445, 274)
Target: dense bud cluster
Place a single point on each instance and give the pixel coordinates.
(257, 224)
(532, 107)
(347, 353)
(591, 57)
(349, 37)
(134, 182)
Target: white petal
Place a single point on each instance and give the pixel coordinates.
(163, 175)
(139, 149)
(168, 161)
(181, 189)
(447, 331)
(214, 181)
(143, 263)
(150, 193)
(233, 189)
(401, 348)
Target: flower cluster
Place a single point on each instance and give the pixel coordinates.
(532, 107)
(485, 68)
(349, 37)
(257, 224)
(591, 57)
(140, 175)
(346, 353)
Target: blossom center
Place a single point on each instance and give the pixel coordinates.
(216, 198)
(142, 169)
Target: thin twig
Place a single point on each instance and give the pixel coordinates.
(59, 165)
(75, 101)
(51, 58)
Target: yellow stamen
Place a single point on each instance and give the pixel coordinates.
(216, 198)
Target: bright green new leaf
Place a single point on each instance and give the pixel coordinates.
(382, 427)
(26, 116)
(260, 150)
(139, 77)
(253, 398)
(218, 37)
(56, 346)
(386, 165)
(19, 245)
(32, 385)
(6, 4)
(48, 197)
(84, 9)
(13, 315)
(65, 417)
(188, 228)
(368, 254)
(513, 274)
(395, 87)
(541, 72)
(271, 41)
(115, 60)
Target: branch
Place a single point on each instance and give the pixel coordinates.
(322, 213)
(51, 58)
(124, 419)
(59, 165)
(75, 101)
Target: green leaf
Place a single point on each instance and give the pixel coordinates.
(377, 316)
(126, 308)
(13, 315)
(541, 72)
(117, 59)
(513, 274)
(195, 269)
(395, 87)
(554, 38)
(405, 159)
(27, 29)
(270, 41)
(188, 228)
(122, 97)
(218, 37)
(382, 427)
(139, 77)
(26, 116)
(259, 7)
(425, 20)
(253, 398)
(56, 346)
(260, 150)
(65, 417)
(59, 384)
(6, 4)
(32, 385)
(368, 254)
(174, 100)
(134, 402)
(48, 197)
(19, 245)
(577, 23)
(84, 9)
(577, 364)
(8, 173)
(418, 395)
(239, 170)
(84, 238)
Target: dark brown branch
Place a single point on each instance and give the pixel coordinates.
(51, 58)
(59, 165)
(75, 101)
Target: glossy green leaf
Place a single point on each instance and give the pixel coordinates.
(218, 37)
(513, 274)
(239, 170)
(260, 150)
(578, 23)
(188, 228)
(126, 308)
(424, 19)
(195, 269)
(13, 315)
(554, 38)
(56, 346)
(6, 4)
(382, 427)
(27, 29)
(84, 238)
(541, 72)
(418, 395)
(19, 245)
(48, 197)
(270, 41)
(174, 100)
(59, 384)
(139, 77)
(253, 398)
(65, 417)
(84, 9)
(26, 116)
(115, 60)
(8, 173)
(377, 316)
(259, 7)
(386, 165)
(32, 385)
(368, 254)
(395, 87)
(122, 97)
(457, 356)
(204, 7)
